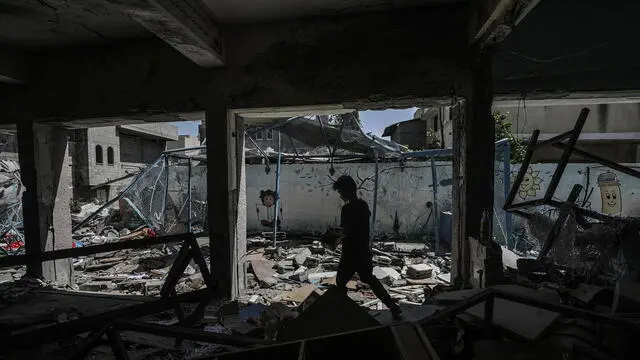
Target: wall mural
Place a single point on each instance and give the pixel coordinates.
(268, 200)
(530, 184)
(610, 193)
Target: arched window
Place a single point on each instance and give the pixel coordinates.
(110, 160)
(98, 154)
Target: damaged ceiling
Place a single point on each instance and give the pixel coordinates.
(39, 25)
(247, 11)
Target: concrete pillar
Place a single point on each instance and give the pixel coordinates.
(46, 173)
(473, 164)
(30, 209)
(240, 206)
(222, 197)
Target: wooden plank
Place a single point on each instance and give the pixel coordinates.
(119, 351)
(409, 343)
(433, 355)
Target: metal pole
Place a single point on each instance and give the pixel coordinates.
(166, 189)
(372, 226)
(277, 204)
(506, 158)
(434, 181)
(189, 195)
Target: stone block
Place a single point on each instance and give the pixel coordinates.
(317, 277)
(386, 274)
(301, 274)
(419, 271)
(97, 286)
(301, 257)
(285, 266)
(153, 287)
(381, 259)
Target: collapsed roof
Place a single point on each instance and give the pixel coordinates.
(337, 132)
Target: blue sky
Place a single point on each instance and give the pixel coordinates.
(372, 121)
(375, 121)
(187, 127)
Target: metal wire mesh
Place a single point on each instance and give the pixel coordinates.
(171, 195)
(146, 196)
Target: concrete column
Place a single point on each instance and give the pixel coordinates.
(473, 164)
(221, 177)
(46, 173)
(240, 206)
(30, 209)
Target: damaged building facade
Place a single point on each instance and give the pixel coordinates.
(103, 154)
(114, 63)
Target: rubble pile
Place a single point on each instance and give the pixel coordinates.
(11, 189)
(290, 272)
(134, 271)
(96, 225)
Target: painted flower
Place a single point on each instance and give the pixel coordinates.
(530, 184)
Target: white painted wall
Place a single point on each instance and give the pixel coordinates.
(309, 204)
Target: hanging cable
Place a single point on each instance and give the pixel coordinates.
(518, 118)
(574, 54)
(524, 108)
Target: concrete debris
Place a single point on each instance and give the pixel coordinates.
(346, 315)
(263, 269)
(302, 256)
(97, 286)
(288, 273)
(382, 260)
(317, 248)
(419, 271)
(386, 274)
(318, 277)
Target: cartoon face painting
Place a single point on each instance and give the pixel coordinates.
(268, 198)
(610, 193)
(530, 184)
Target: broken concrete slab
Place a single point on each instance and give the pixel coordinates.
(445, 277)
(311, 261)
(509, 258)
(381, 259)
(397, 283)
(301, 257)
(317, 248)
(419, 271)
(427, 281)
(317, 277)
(196, 281)
(300, 275)
(285, 266)
(153, 287)
(386, 274)
(263, 269)
(351, 285)
(330, 266)
(97, 286)
(300, 294)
